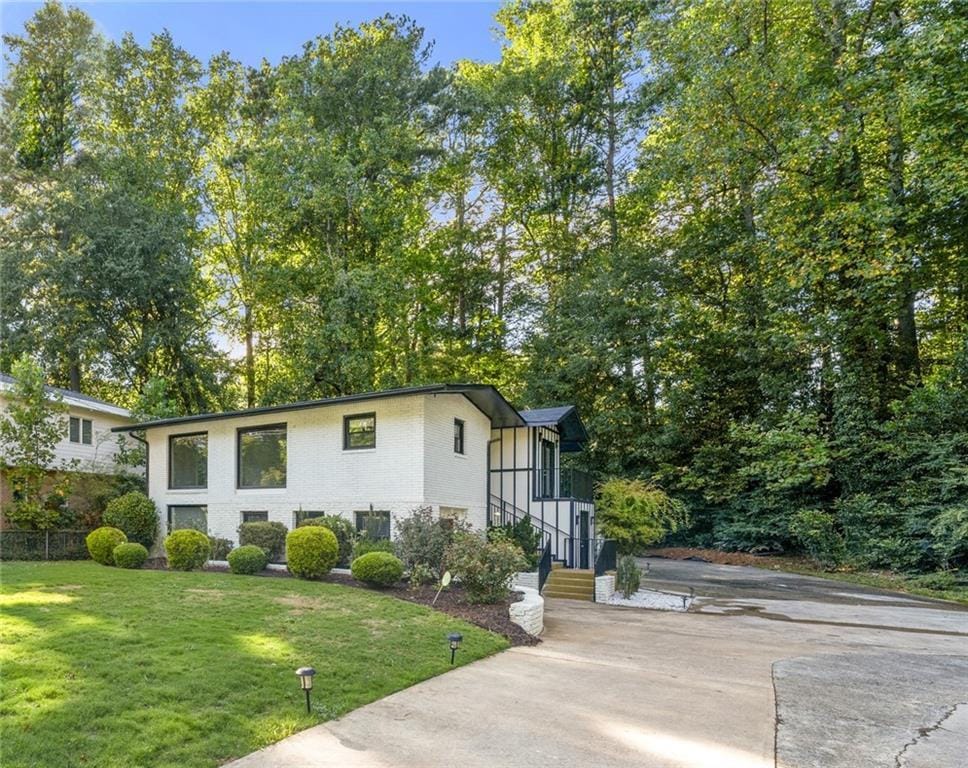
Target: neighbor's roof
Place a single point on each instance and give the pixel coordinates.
(487, 399)
(565, 417)
(77, 399)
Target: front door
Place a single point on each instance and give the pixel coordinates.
(583, 540)
(547, 485)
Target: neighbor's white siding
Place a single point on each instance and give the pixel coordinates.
(413, 464)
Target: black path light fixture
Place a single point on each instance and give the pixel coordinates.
(455, 639)
(305, 675)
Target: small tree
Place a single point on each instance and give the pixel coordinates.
(637, 514)
(31, 427)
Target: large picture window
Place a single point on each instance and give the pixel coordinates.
(262, 457)
(188, 461)
(373, 524)
(359, 431)
(188, 516)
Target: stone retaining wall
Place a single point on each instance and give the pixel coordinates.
(527, 579)
(604, 587)
(529, 612)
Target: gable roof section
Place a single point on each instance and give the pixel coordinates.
(565, 418)
(485, 397)
(77, 399)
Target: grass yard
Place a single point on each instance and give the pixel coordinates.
(105, 667)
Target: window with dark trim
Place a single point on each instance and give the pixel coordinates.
(188, 460)
(261, 456)
(359, 431)
(304, 514)
(74, 431)
(373, 523)
(188, 516)
(87, 431)
(255, 517)
(80, 430)
(458, 436)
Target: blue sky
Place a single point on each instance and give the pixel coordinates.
(251, 31)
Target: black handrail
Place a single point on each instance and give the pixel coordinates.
(605, 556)
(544, 564)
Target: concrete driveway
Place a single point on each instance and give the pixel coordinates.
(764, 670)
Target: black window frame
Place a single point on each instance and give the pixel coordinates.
(459, 435)
(263, 512)
(238, 456)
(171, 487)
(87, 432)
(362, 530)
(346, 431)
(74, 429)
(298, 515)
(185, 506)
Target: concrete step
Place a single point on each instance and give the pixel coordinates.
(562, 577)
(568, 594)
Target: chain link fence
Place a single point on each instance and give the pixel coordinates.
(43, 545)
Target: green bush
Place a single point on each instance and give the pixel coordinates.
(525, 535)
(380, 569)
(344, 531)
(816, 532)
(365, 546)
(130, 555)
(423, 539)
(628, 577)
(484, 568)
(637, 514)
(421, 574)
(136, 515)
(187, 549)
(248, 559)
(940, 581)
(270, 536)
(311, 551)
(101, 543)
(220, 547)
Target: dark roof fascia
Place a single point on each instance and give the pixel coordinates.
(573, 432)
(485, 397)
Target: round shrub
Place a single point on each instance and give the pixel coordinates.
(248, 559)
(365, 546)
(271, 536)
(381, 569)
(311, 552)
(130, 555)
(101, 543)
(187, 549)
(135, 514)
(344, 531)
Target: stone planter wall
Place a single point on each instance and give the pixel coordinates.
(527, 579)
(604, 587)
(529, 612)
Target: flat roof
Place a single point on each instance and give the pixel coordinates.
(484, 396)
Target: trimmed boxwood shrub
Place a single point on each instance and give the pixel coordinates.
(130, 555)
(343, 530)
(220, 547)
(187, 549)
(270, 536)
(135, 514)
(248, 559)
(311, 551)
(365, 546)
(381, 569)
(101, 543)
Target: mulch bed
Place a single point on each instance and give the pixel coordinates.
(724, 558)
(452, 601)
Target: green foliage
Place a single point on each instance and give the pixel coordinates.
(311, 552)
(637, 514)
(136, 515)
(365, 546)
(247, 559)
(220, 547)
(950, 532)
(422, 540)
(484, 568)
(270, 536)
(379, 569)
(187, 549)
(344, 531)
(818, 536)
(101, 543)
(524, 535)
(628, 576)
(421, 574)
(130, 555)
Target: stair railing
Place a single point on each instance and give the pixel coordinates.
(544, 564)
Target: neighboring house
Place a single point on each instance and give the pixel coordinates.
(88, 443)
(373, 458)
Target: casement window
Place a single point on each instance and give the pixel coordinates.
(261, 455)
(373, 524)
(458, 436)
(80, 431)
(188, 460)
(188, 516)
(359, 431)
(304, 514)
(255, 517)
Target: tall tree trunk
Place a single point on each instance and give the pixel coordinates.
(249, 356)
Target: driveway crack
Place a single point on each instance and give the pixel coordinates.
(927, 731)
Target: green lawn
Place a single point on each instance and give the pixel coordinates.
(104, 667)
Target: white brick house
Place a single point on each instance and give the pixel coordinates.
(371, 458)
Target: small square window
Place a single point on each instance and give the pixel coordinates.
(458, 436)
(255, 517)
(359, 431)
(87, 431)
(74, 434)
(373, 524)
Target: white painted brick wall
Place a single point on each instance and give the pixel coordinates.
(529, 612)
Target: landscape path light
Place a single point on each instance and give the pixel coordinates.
(455, 640)
(305, 675)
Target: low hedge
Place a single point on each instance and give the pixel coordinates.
(271, 536)
(130, 555)
(101, 543)
(380, 569)
(135, 514)
(248, 559)
(311, 551)
(187, 549)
